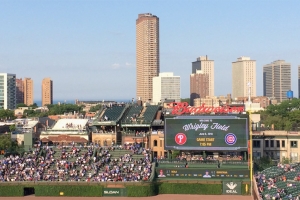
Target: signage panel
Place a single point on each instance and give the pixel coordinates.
(206, 133)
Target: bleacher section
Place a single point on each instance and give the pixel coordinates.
(279, 182)
(150, 113)
(133, 114)
(113, 113)
(65, 124)
(90, 164)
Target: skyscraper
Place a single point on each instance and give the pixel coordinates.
(7, 91)
(277, 80)
(28, 91)
(166, 86)
(199, 86)
(299, 81)
(243, 76)
(207, 67)
(147, 54)
(47, 91)
(19, 91)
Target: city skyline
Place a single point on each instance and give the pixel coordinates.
(90, 57)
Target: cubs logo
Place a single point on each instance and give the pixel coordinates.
(230, 139)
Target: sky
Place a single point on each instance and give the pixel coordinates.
(88, 47)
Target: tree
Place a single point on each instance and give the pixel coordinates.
(12, 127)
(95, 108)
(7, 115)
(21, 105)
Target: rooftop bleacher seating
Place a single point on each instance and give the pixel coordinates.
(150, 113)
(112, 113)
(64, 124)
(133, 114)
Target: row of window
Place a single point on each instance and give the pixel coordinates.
(274, 143)
(155, 143)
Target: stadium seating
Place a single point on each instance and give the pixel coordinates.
(90, 164)
(113, 113)
(279, 182)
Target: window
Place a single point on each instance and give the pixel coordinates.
(294, 144)
(277, 143)
(266, 143)
(155, 143)
(256, 143)
(160, 143)
(272, 143)
(283, 143)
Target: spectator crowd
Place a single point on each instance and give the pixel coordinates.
(77, 163)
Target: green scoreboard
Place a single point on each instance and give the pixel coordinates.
(206, 133)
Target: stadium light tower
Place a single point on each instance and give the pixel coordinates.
(249, 93)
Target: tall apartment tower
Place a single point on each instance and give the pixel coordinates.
(147, 54)
(47, 91)
(277, 80)
(166, 86)
(19, 91)
(207, 67)
(199, 86)
(28, 91)
(299, 81)
(243, 77)
(7, 91)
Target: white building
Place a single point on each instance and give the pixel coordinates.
(7, 91)
(166, 86)
(277, 80)
(243, 73)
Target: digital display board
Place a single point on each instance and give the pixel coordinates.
(202, 173)
(206, 133)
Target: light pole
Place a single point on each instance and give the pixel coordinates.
(250, 151)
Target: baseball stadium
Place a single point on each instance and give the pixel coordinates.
(142, 150)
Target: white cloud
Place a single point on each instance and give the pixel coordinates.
(128, 64)
(115, 66)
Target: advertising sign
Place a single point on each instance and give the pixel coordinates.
(114, 192)
(232, 187)
(202, 173)
(206, 133)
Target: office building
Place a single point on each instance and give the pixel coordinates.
(199, 86)
(207, 67)
(19, 91)
(299, 81)
(47, 91)
(243, 77)
(147, 54)
(28, 91)
(166, 86)
(277, 80)
(7, 91)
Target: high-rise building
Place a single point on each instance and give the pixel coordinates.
(166, 86)
(7, 91)
(28, 91)
(243, 77)
(199, 86)
(147, 54)
(47, 91)
(277, 80)
(207, 67)
(19, 91)
(299, 81)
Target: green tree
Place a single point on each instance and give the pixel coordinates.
(12, 127)
(186, 100)
(21, 105)
(95, 108)
(7, 115)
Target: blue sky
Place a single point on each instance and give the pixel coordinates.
(88, 47)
